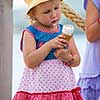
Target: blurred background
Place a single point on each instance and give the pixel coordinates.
(20, 21)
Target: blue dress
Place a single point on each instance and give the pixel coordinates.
(52, 79)
(89, 79)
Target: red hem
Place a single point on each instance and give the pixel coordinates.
(74, 94)
(73, 90)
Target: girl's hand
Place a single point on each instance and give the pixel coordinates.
(63, 55)
(69, 56)
(59, 42)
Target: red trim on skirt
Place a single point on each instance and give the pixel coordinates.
(74, 94)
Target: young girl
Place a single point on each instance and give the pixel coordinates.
(48, 74)
(90, 76)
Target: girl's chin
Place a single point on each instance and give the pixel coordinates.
(54, 24)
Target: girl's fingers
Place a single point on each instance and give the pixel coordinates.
(60, 44)
(62, 39)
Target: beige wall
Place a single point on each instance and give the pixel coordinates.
(6, 31)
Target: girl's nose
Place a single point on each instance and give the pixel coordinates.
(53, 14)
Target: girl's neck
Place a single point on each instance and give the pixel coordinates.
(45, 28)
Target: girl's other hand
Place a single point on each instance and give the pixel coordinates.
(63, 55)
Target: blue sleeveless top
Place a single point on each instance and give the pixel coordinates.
(43, 37)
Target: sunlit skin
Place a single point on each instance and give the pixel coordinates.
(47, 16)
(92, 26)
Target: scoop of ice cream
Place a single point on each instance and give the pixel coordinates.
(67, 29)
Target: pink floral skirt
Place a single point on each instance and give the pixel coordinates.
(74, 94)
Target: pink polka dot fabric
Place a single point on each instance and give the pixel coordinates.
(51, 80)
(51, 75)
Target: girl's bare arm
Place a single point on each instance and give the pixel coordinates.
(32, 56)
(92, 26)
(74, 52)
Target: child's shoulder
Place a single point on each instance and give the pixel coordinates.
(30, 28)
(61, 25)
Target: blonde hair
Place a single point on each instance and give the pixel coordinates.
(30, 16)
